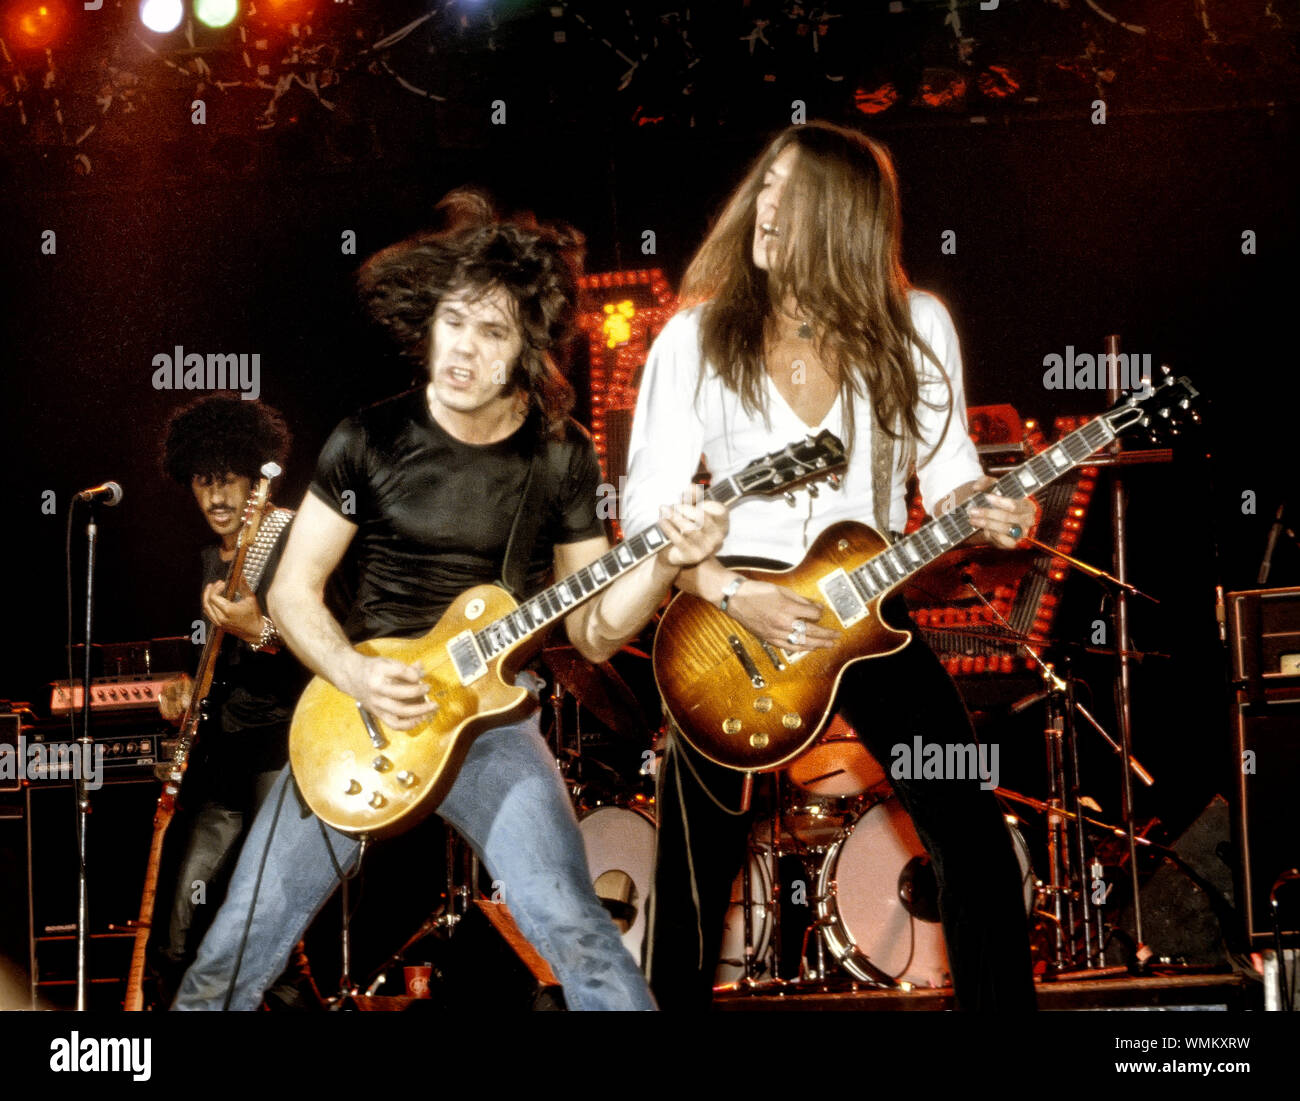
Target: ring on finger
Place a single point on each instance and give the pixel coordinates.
(1015, 531)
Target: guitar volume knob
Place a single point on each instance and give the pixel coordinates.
(381, 764)
(353, 788)
(377, 800)
(407, 778)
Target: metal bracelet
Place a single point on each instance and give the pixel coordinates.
(731, 591)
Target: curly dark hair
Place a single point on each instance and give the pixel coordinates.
(223, 434)
(477, 251)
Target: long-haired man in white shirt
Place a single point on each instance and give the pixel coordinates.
(799, 318)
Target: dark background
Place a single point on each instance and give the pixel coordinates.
(227, 239)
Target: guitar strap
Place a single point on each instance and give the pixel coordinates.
(528, 517)
(882, 461)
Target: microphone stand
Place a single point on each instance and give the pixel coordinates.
(1123, 688)
(85, 752)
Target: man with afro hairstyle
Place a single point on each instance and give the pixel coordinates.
(215, 447)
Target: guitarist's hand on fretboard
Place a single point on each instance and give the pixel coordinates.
(770, 612)
(996, 521)
(241, 618)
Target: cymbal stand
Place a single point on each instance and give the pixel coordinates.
(442, 922)
(1067, 873)
(348, 990)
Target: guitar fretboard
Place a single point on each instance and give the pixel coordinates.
(928, 542)
(557, 601)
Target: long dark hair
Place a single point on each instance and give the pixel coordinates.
(839, 258)
(476, 252)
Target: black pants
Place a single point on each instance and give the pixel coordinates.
(889, 701)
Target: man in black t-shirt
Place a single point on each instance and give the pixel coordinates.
(424, 489)
(215, 447)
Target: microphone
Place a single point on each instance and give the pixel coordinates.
(1267, 564)
(110, 491)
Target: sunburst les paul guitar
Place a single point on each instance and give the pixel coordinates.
(361, 776)
(751, 706)
(245, 572)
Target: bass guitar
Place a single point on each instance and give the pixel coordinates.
(361, 776)
(750, 706)
(250, 559)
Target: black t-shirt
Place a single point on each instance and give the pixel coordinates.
(254, 692)
(434, 514)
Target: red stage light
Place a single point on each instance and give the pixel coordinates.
(37, 26)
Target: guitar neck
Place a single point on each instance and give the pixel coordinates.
(912, 554)
(552, 604)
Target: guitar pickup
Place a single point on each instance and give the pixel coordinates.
(842, 596)
(464, 653)
(742, 656)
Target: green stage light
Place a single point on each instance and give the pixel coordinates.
(216, 13)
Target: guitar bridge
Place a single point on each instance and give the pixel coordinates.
(377, 738)
(772, 656)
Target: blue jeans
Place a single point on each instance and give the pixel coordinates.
(508, 802)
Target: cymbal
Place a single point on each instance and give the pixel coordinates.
(599, 689)
(942, 582)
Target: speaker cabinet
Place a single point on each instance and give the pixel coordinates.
(1266, 814)
(119, 832)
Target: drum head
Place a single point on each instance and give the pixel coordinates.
(620, 846)
(871, 868)
(838, 766)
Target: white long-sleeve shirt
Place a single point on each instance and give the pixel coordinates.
(672, 429)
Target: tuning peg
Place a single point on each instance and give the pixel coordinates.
(789, 499)
(833, 480)
(812, 490)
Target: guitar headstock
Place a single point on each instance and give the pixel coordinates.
(1163, 411)
(255, 508)
(812, 459)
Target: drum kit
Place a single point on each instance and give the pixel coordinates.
(836, 853)
(831, 849)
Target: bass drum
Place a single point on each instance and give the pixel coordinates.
(731, 964)
(877, 899)
(620, 844)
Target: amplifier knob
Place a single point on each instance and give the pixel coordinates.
(128, 748)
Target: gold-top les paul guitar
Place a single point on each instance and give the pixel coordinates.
(174, 771)
(751, 706)
(362, 776)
